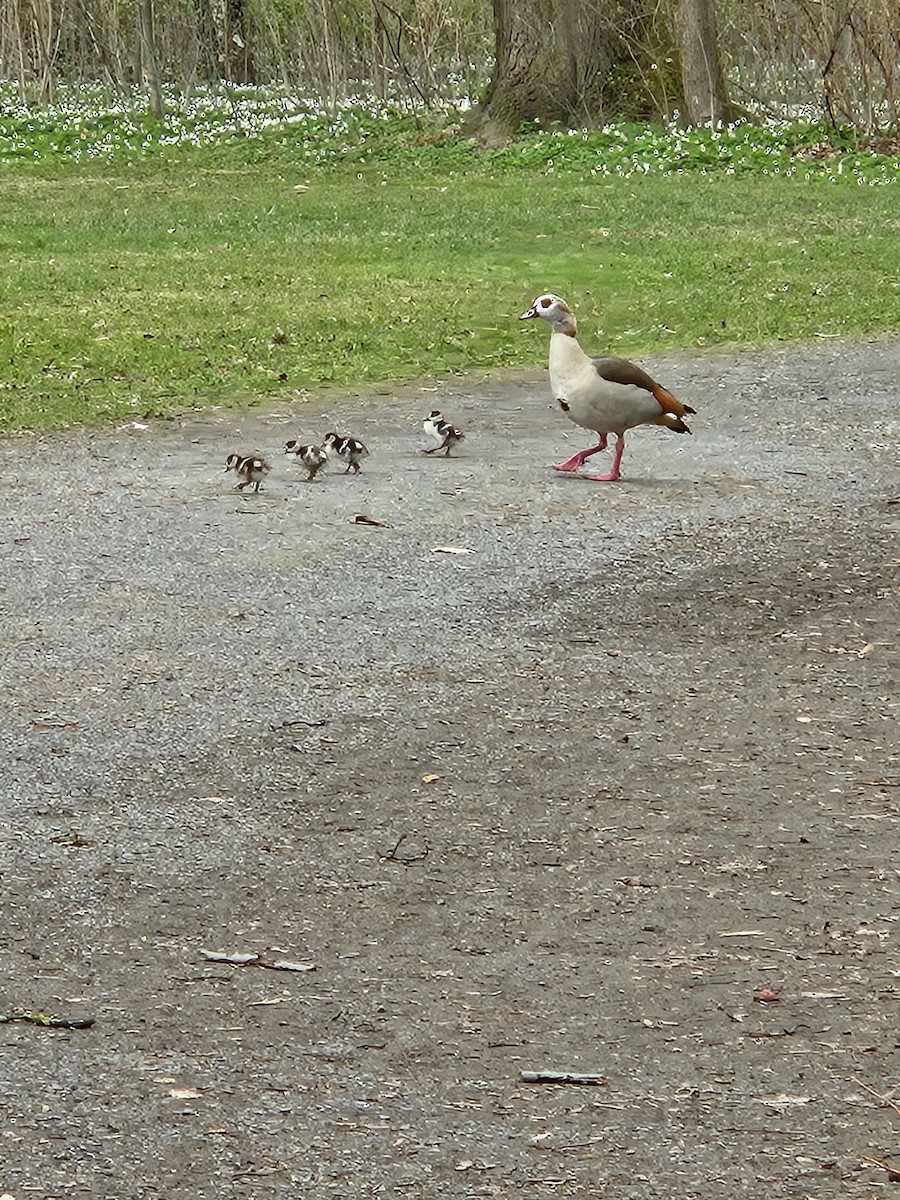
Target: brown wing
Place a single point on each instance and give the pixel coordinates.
(622, 370)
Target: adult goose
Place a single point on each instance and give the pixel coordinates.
(608, 395)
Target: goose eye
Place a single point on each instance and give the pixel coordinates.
(546, 302)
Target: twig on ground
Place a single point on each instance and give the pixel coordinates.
(34, 1017)
(299, 721)
(892, 1172)
(255, 960)
(366, 519)
(392, 855)
(886, 1100)
(736, 1017)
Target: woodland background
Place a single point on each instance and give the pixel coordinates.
(571, 61)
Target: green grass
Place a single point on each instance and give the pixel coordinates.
(145, 278)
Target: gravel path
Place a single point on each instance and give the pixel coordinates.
(545, 775)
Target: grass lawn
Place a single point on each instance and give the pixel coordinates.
(137, 285)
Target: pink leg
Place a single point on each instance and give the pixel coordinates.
(578, 460)
(614, 469)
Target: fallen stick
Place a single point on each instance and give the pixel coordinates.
(255, 960)
(562, 1077)
(366, 519)
(34, 1017)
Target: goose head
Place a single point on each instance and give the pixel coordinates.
(554, 309)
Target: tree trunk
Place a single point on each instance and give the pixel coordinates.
(149, 62)
(238, 56)
(547, 58)
(46, 44)
(22, 59)
(558, 61)
(705, 95)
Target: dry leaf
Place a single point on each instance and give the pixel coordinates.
(183, 1093)
(450, 550)
(430, 778)
(765, 995)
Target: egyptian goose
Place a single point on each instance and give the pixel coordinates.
(251, 468)
(312, 457)
(445, 434)
(608, 395)
(349, 449)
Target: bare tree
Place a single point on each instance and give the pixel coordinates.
(97, 44)
(705, 95)
(207, 41)
(47, 28)
(238, 55)
(838, 58)
(148, 58)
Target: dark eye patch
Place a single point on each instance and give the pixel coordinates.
(546, 302)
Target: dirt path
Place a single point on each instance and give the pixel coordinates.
(577, 799)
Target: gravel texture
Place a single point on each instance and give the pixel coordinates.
(546, 775)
